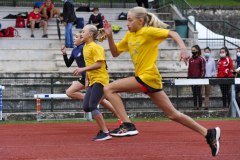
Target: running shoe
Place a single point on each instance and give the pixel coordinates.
(102, 136)
(213, 139)
(126, 129)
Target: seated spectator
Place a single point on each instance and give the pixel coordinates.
(48, 10)
(96, 18)
(34, 21)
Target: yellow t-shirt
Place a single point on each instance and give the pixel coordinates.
(92, 53)
(143, 48)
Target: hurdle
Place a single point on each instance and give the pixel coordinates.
(233, 107)
(1, 104)
(87, 115)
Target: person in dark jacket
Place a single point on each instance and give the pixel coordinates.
(196, 69)
(69, 17)
(96, 18)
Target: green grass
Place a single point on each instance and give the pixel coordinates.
(214, 2)
(108, 120)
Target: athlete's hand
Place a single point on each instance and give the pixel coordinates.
(107, 28)
(63, 49)
(77, 71)
(184, 55)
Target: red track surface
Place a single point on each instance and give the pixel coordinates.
(157, 140)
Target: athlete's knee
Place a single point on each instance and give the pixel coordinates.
(107, 89)
(69, 92)
(95, 112)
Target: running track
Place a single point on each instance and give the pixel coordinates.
(163, 140)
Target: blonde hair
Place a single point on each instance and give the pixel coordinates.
(97, 34)
(150, 19)
(93, 29)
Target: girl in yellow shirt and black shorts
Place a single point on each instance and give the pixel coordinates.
(145, 32)
(97, 75)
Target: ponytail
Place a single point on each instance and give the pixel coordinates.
(154, 21)
(150, 19)
(101, 35)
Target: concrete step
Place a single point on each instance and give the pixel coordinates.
(164, 54)
(27, 65)
(44, 51)
(52, 24)
(52, 33)
(56, 54)
(16, 10)
(30, 43)
(126, 65)
(68, 73)
(30, 58)
(109, 13)
(28, 54)
(164, 16)
(40, 43)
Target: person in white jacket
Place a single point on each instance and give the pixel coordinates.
(210, 72)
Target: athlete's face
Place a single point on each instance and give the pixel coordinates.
(133, 23)
(85, 35)
(77, 40)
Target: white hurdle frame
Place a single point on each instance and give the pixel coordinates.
(1, 104)
(233, 108)
(87, 116)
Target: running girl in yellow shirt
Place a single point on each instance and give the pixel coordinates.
(74, 90)
(145, 32)
(97, 75)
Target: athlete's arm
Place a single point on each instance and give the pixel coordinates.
(94, 66)
(184, 55)
(67, 61)
(108, 32)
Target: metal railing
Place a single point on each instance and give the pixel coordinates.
(182, 6)
(218, 34)
(18, 95)
(213, 39)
